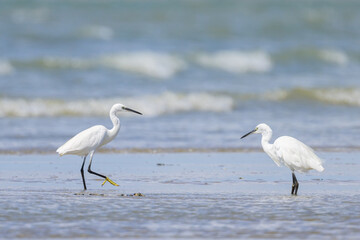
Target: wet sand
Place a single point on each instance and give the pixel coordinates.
(186, 195)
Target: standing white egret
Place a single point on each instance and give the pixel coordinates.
(89, 140)
(290, 152)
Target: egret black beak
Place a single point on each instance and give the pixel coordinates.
(248, 133)
(131, 110)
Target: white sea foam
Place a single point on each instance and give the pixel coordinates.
(336, 96)
(170, 102)
(334, 56)
(97, 31)
(152, 64)
(150, 105)
(348, 96)
(236, 61)
(6, 68)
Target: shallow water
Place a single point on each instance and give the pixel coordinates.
(188, 195)
(58, 214)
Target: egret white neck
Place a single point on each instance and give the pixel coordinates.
(116, 125)
(265, 142)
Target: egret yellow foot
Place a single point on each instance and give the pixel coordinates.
(110, 181)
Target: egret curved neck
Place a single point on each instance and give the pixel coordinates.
(116, 126)
(265, 141)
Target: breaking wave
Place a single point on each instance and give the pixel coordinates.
(150, 64)
(97, 32)
(333, 56)
(170, 102)
(236, 61)
(151, 105)
(329, 56)
(162, 65)
(334, 96)
(6, 68)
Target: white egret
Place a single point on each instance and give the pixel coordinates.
(290, 152)
(88, 141)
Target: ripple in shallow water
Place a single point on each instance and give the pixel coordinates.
(39, 214)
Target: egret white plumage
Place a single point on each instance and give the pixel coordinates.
(88, 141)
(290, 152)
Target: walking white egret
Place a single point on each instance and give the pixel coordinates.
(88, 141)
(290, 152)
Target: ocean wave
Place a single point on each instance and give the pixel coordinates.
(150, 105)
(236, 61)
(152, 64)
(157, 65)
(163, 66)
(332, 56)
(147, 63)
(334, 96)
(97, 32)
(6, 68)
(170, 102)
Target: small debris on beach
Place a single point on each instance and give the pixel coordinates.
(132, 195)
(90, 194)
(96, 194)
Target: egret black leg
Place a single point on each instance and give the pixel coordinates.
(92, 172)
(295, 185)
(98, 174)
(82, 173)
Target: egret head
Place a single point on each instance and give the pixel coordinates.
(120, 108)
(261, 128)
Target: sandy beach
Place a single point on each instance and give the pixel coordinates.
(186, 195)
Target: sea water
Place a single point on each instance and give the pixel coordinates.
(202, 72)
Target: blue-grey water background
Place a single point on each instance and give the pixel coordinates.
(202, 72)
